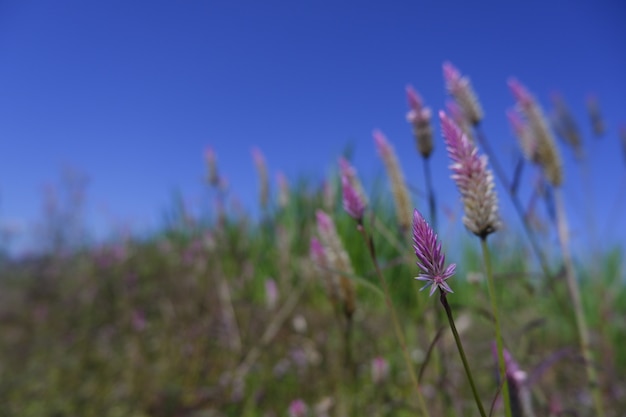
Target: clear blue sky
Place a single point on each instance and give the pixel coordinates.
(131, 92)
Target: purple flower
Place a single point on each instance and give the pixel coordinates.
(461, 89)
(430, 259)
(380, 369)
(297, 408)
(473, 179)
(419, 117)
(352, 202)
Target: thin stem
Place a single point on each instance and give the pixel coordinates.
(572, 285)
(394, 318)
(459, 345)
(496, 315)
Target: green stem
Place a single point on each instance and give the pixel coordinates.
(459, 345)
(572, 285)
(496, 315)
(394, 318)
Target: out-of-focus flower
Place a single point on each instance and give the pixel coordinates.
(347, 170)
(396, 178)
(546, 153)
(380, 369)
(525, 138)
(565, 125)
(211, 161)
(460, 119)
(430, 258)
(473, 179)
(461, 89)
(352, 202)
(337, 259)
(297, 408)
(261, 167)
(271, 293)
(419, 117)
(283, 190)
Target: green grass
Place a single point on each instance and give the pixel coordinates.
(142, 327)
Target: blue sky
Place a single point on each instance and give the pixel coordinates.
(131, 93)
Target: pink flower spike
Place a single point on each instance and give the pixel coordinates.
(520, 93)
(473, 180)
(461, 89)
(382, 144)
(352, 202)
(380, 369)
(345, 168)
(414, 99)
(297, 408)
(451, 75)
(258, 157)
(316, 251)
(324, 223)
(430, 259)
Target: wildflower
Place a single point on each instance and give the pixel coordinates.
(337, 259)
(261, 166)
(565, 125)
(297, 408)
(271, 293)
(419, 117)
(283, 190)
(213, 177)
(430, 259)
(380, 369)
(347, 170)
(473, 179)
(461, 89)
(398, 185)
(546, 153)
(525, 137)
(352, 202)
(459, 117)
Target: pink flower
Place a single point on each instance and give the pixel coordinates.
(297, 408)
(473, 179)
(461, 89)
(352, 202)
(419, 116)
(380, 369)
(430, 259)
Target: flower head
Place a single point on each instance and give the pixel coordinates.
(430, 259)
(399, 188)
(297, 408)
(352, 202)
(261, 166)
(461, 89)
(546, 154)
(211, 161)
(473, 179)
(419, 117)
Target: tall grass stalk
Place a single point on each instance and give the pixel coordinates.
(496, 316)
(574, 290)
(459, 345)
(394, 318)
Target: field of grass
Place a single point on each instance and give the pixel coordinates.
(235, 316)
